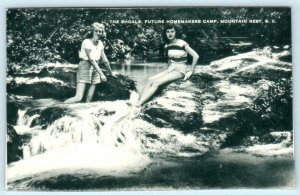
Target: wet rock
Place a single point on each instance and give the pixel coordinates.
(48, 115)
(240, 125)
(253, 66)
(41, 90)
(66, 74)
(115, 88)
(275, 140)
(269, 71)
(271, 111)
(287, 58)
(243, 96)
(14, 145)
(276, 137)
(177, 105)
(60, 83)
(12, 113)
(185, 121)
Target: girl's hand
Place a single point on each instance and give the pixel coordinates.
(114, 74)
(103, 77)
(188, 74)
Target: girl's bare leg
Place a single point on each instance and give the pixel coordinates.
(174, 75)
(90, 93)
(151, 80)
(79, 94)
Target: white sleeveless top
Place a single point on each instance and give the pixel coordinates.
(95, 49)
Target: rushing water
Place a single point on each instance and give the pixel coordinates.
(87, 147)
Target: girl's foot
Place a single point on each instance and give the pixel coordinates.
(134, 111)
(134, 98)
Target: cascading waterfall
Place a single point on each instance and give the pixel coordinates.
(24, 122)
(83, 139)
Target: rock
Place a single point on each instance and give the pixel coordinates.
(60, 83)
(276, 137)
(177, 106)
(245, 95)
(271, 111)
(269, 71)
(66, 74)
(12, 113)
(242, 124)
(48, 115)
(14, 144)
(42, 89)
(251, 61)
(287, 58)
(115, 88)
(185, 121)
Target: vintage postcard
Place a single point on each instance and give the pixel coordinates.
(149, 98)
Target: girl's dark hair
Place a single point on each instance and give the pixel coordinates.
(170, 26)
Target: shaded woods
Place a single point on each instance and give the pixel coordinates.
(37, 36)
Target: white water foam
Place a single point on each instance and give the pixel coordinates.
(82, 142)
(32, 80)
(168, 141)
(261, 57)
(24, 121)
(282, 148)
(99, 159)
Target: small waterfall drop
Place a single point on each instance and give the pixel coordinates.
(83, 139)
(24, 122)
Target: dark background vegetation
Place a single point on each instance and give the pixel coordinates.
(42, 35)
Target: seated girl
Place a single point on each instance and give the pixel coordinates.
(176, 50)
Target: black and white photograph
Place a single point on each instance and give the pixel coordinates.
(149, 98)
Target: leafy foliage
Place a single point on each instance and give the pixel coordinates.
(275, 105)
(36, 36)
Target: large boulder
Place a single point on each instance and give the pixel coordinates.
(115, 88)
(245, 95)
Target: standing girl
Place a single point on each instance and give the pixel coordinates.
(88, 72)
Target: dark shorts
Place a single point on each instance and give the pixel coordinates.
(87, 74)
